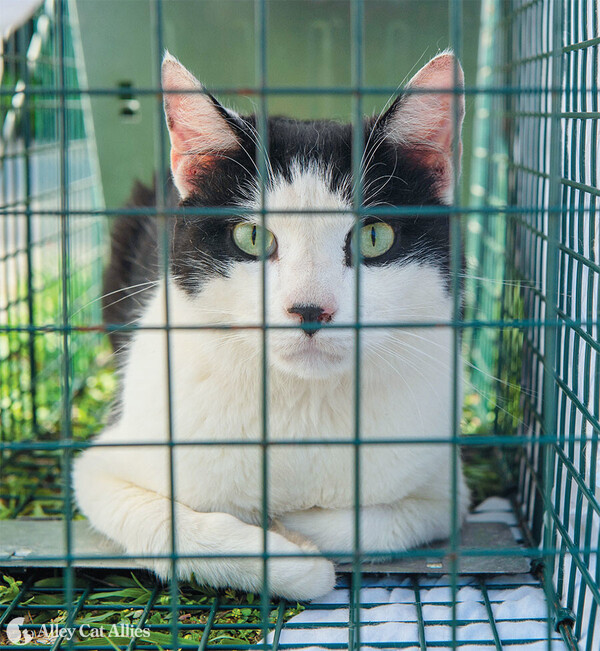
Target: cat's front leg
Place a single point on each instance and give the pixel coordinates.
(407, 523)
(140, 521)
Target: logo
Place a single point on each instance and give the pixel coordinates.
(15, 634)
(47, 634)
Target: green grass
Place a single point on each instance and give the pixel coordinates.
(117, 602)
(32, 391)
(30, 481)
(480, 463)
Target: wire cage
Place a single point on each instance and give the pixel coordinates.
(51, 260)
(544, 248)
(529, 226)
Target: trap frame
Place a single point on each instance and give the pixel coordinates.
(530, 332)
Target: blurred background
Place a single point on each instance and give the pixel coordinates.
(308, 45)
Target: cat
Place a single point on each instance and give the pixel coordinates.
(214, 376)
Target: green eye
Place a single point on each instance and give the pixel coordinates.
(249, 238)
(376, 239)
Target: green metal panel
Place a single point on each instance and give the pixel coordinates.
(543, 246)
(31, 158)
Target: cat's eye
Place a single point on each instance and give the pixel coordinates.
(249, 238)
(376, 239)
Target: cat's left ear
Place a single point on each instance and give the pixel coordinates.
(199, 127)
(426, 121)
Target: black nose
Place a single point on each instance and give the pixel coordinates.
(310, 315)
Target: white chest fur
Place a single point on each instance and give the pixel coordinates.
(216, 394)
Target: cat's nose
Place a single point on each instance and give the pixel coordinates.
(311, 314)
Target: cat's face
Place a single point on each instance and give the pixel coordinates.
(317, 257)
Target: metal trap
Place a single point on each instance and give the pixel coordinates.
(529, 226)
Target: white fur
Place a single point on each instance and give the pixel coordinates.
(216, 389)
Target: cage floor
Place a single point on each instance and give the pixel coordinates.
(397, 611)
(40, 542)
(418, 612)
(415, 613)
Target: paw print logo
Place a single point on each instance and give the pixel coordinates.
(16, 634)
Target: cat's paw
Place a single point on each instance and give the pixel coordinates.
(292, 570)
(301, 579)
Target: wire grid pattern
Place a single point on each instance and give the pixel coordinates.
(424, 617)
(493, 612)
(424, 622)
(486, 231)
(47, 163)
(550, 369)
(397, 612)
(522, 286)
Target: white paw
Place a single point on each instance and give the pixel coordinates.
(301, 579)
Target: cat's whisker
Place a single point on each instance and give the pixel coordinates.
(406, 384)
(511, 385)
(119, 350)
(450, 367)
(483, 394)
(367, 165)
(255, 136)
(126, 297)
(388, 178)
(237, 162)
(407, 361)
(424, 308)
(499, 281)
(382, 134)
(152, 283)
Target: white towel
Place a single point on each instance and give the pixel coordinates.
(518, 604)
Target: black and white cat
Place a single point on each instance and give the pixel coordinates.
(216, 375)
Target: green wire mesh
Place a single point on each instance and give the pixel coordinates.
(43, 167)
(539, 149)
(530, 325)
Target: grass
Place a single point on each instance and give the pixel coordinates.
(117, 604)
(30, 481)
(480, 463)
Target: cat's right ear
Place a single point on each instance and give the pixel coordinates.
(199, 127)
(426, 121)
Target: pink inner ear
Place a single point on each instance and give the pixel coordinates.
(197, 130)
(435, 116)
(426, 123)
(180, 133)
(186, 168)
(191, 140)
(196, 126)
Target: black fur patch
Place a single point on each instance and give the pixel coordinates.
(202, 246)
(133, 265)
